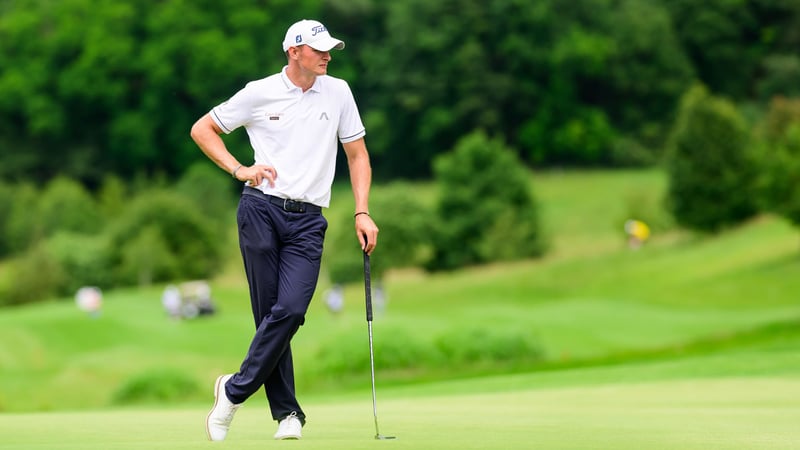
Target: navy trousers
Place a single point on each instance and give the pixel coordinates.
(282, 252)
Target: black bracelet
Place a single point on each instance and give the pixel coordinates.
(359, 213)
(233, 174)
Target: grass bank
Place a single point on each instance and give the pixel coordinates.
(591, 303)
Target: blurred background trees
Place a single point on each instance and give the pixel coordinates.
(89, 87)
(98, 96)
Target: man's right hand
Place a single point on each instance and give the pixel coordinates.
(256, 174)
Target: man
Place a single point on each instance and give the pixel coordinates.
(293, 119)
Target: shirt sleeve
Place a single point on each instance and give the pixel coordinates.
(236, 111)
(350, 126)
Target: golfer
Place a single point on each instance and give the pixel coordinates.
(293, 119)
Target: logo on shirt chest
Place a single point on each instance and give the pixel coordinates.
(279, 115)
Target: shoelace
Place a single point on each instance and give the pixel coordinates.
(226, 421)
(285, 422)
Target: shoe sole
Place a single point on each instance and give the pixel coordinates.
(216, 400)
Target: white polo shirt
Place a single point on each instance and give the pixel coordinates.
(294, 131)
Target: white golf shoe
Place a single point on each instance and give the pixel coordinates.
(289, 428)
(219, 418)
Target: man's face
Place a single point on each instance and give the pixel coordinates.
(314, 61)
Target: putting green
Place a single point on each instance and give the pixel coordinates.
(729, 413)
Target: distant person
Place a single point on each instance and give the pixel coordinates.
(189, 300)
(171, 301)
(379, 297)
(293, 119)
(334, 298)
(638, 233)
(89, 299)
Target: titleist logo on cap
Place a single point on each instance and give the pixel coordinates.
(314, 31)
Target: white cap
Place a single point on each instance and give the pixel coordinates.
(311, 33)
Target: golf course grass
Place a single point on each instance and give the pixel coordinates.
(718, 413)
(692, 342)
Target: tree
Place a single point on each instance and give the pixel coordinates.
(90, 87)
(710, 165)
(719, 35)
(164, 236)
(559, 81)
(6, 206)
(613, 69)
(779, 135)
(486, 210)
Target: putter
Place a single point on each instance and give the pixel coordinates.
(368, 295)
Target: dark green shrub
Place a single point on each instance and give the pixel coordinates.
(587, 138)
(65, 205)
(582, 137)
(156, 386)
(345, 353)
(83, 260)
(32, 276)
(710, 164)
(400, 349)
(778, 186)
(163, 235)
(783, 113)
(22, 226)
(489, 345)
(341, 354)
(787, 166)
(404, 221)
(6, 205)
(343, 259)
(780, 75)
(57, 266)
(112, 197)
(212, 190)
(779, 151)
(486, 209)
(146, 257)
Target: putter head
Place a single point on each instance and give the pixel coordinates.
(381, 437)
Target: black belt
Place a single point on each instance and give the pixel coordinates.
(284, 203)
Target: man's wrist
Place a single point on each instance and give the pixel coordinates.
(360, 213)
(233, 173)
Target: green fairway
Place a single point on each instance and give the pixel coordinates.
(722, 413)
(689, 342)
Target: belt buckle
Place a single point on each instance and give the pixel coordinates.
(293, 206)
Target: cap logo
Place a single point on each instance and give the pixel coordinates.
(298, 39)
(318, 29)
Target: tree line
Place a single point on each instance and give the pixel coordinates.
(92, 87)
(100, 183)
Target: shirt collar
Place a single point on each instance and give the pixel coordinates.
(317, 86)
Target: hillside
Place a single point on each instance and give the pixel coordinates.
(590, 302)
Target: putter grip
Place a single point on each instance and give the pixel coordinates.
(367, 287)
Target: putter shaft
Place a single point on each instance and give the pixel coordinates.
(368, 296)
